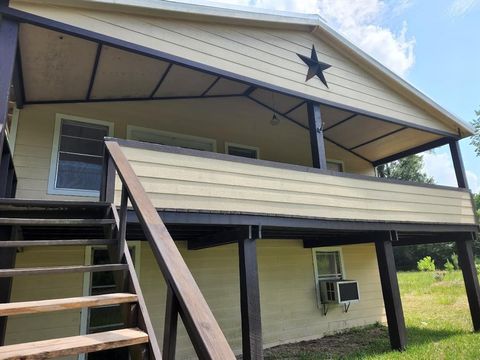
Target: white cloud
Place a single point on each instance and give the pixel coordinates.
(440, 167)
(461, 7)
(360, 21)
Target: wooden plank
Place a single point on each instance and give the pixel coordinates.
(79, 242)
(458, 164)
(205, 333)
(466, 261)
(170, 328)
(48, 349)
(40, 306)
(391, 292)
(317, 143)
(61, 270)
(7, 260)
(55, 222)
(48, 204)
(252, 346)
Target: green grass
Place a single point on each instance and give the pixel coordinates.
(438, 327)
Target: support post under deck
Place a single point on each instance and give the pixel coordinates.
(391, 292)
(250, 296)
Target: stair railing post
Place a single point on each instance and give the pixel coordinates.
(107, 190)
(122, 230)
(170, 327)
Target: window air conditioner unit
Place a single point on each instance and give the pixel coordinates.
(339, 291)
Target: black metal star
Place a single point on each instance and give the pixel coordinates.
(315, 67)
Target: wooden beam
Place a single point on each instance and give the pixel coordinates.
(170, 329)
(225, 237)
(252, 345)
(317, 144)
(107, 190)
(466, 261)
(458, 164)
(5, 160)
(391, 292)
(8, 51)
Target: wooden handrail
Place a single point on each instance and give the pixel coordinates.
(8, 176)
(205, 333)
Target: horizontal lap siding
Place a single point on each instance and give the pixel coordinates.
(25, 328)
(268, 55)
(190, 182)
(287, 291)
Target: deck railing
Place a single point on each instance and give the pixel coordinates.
(183, 294)
(8, 178)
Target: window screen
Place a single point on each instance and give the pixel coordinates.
(242, 151)
(334, 166)
(328, 265)
(80, 155)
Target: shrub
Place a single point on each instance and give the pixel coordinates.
(477, 266)
(439, 275)
(426, 264)
(454, 258)
(449, 266)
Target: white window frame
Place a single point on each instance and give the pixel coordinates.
(315, 267)
(341, 162)
(87, 279)
(131, 128)
(242, 146)
(54, 158)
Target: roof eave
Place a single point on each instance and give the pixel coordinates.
(378, 70)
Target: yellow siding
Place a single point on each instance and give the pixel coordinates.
(267, 55)
(23, 328)
(234, 120)
(287, 289)
(194, 182)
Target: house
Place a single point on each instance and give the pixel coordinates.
(247, 194)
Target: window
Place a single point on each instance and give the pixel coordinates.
(170, 138)
(328, 265)
(241, 150)
(107, 317)
(335, 165)
(77, 156)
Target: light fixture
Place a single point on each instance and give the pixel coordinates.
(274, 120)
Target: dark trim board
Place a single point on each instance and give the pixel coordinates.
(25, 17)
(259, 162)
(176, 217)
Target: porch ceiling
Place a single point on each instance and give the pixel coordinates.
(59, 68)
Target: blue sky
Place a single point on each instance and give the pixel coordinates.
(433, 44)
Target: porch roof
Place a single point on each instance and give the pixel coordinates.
(60, 67)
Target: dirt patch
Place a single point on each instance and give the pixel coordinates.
(329, 347)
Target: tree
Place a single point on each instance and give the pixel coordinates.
(475, 140)
(476, 199)
(409, 168)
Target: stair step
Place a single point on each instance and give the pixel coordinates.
(48, 349)
(61, 269)
(55, 222)
(82, 242)
(49, 204)
(40, 306)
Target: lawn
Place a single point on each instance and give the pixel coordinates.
(438, 327)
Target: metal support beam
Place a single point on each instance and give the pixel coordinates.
(458, 164)
(317, 144)
(466, 261)
(391, 291)
(250, 295)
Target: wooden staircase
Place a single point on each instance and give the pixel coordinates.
(27, 223)
(40, 219)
